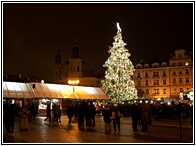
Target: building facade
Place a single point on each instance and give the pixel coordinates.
(74, 69)
(165, 79)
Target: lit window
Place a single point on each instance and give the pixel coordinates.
(180, 80)
(147, 91)
(164, 82)
(164, 91)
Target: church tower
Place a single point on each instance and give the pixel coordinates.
(57, 68)
(75, 63)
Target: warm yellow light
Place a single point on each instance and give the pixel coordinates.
(73, 82)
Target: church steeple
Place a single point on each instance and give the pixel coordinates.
(58, 57)
(75, 50)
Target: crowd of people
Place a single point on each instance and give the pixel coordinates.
(84, 113)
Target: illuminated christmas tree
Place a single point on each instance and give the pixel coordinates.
(118, 83)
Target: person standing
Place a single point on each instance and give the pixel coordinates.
(81, 113)
(144, 113)
(11, 117)
(48, 113)
(116, 115)
(69, 112)
(135, 116)
(107, 113)
(59, 116)
(92, 113)
(6, 114)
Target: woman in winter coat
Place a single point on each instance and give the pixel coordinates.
(107, 113)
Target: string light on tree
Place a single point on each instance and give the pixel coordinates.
(118, 83)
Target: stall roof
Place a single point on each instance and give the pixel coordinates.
(65, 91)
(45, 90)
(17, 90)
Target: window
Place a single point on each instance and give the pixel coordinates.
(157, 82)
(147, 91)
(146, 82)
(174, 64)
(138, 74)
(157, 91)
(163, 64)
(180, 72)
(155, 74)
(174, 73)
(174, 90)
(180, 64)
(187, 89)
(187, 71)
(181, 90)
(187, 80)
(164, 82)
(146, 74)
(180, 80)
(174, 80)
(146, 65)
(164, 91)
(164, 73)
(139, 83)
(78, 69)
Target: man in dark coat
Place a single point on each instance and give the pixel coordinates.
(135, 116)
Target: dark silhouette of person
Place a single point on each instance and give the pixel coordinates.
(81, 113)
(144, 113)
(116, 118)
(107, 113)
(69, 112)
(135, 116)
(11, 117)
(92, 113)
(6, 114)
(48, 113)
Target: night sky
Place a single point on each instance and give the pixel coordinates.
(32, 33)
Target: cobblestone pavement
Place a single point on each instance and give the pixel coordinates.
(39, 132)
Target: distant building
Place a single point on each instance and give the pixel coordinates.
(74, 69)
(20, 78)
(165, 79)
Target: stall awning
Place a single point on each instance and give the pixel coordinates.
(45, 90)
(53, 91)
(65, 91)
(17, 90)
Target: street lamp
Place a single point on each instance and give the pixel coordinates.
(73, 83)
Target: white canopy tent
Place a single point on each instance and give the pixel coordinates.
(17, 90)
(52, 91)
(66, 92)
